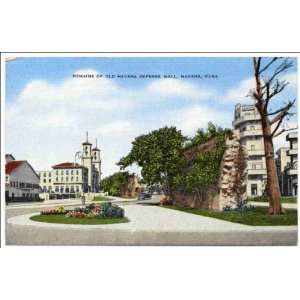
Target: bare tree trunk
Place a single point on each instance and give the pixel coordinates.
(273, 189)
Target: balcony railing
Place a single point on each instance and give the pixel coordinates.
(256, 152)
(257, 171)
(292, 172)
(246, 133)
(292, 135)
(245, 118)
(292, 152)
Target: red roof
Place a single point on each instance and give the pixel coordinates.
(12, 165)
(67, 165)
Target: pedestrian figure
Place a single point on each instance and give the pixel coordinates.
(83, 199)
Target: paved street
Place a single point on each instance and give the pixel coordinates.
(149, 225)
(284, 205)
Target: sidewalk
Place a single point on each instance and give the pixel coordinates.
(63, 202)
(149, 225)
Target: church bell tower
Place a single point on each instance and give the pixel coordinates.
(96, 160)
(87, 159)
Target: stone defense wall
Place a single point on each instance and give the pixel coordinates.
(131, 187)
(233, 174)
(232, 182)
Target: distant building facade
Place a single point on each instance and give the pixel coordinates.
(282, 161)
(21, 180)
(70, 179)
(287, 166)
(65, 180)
(247, 121)
(292, 168)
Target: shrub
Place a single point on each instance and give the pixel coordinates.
(166, 200)
(56, 211)
(242, 206)
(105, 210)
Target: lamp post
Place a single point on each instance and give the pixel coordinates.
(77, 155)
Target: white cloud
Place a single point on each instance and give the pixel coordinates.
(291, 78)
(178, 88)
(192, 118)
(239, 93)
(47, 122)
(117, 127)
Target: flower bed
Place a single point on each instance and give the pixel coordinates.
(104, 213)
(103, 210)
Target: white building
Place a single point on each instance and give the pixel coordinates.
(21, 180)
(90, 158)
(68, 180)
(65, 180)
(292, 168)
(247, 120)
(282, 161)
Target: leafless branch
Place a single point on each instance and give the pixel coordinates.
(285, 130)
(277, 126)
(278, 87)
(285, 65)
(283, 112)
(268, 65)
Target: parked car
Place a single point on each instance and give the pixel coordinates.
(144, 196)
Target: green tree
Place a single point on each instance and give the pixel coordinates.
(113, 184)
(203, 170)
(203, 136)
(159, 154)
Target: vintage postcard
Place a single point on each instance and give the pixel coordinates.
(150, 149)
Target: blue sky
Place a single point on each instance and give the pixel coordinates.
(54, 109)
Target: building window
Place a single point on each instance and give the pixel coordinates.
(72, 178)
(56, 172)
(44, 180)
(56, 178)
(57, 189)
(49, 174)
(77, 172)
(49, 180)
(61, 189)
(253, 189)
(71, 172)
(252, 147)
(77, 179)
(67, 172)
(77, 188)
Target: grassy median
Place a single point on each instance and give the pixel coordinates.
(258, 217)
(62, 219)
(102, 198)
(282, 199)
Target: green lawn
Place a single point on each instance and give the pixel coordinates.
(258, 217)
(283, 199)
(102, 198)
(61, 219)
